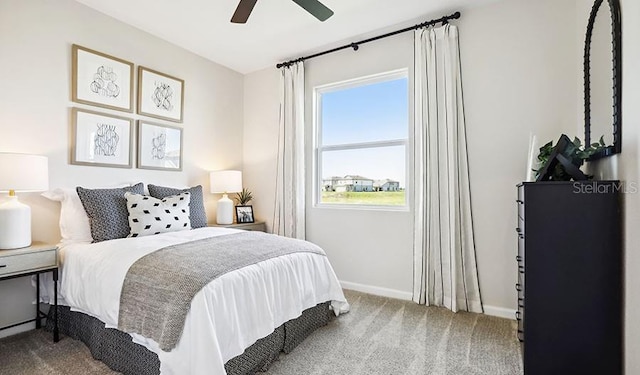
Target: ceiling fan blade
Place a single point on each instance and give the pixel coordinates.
(316, 8)
(243, 11)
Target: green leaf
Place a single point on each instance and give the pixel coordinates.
(577, 142)
(244, 197)
(602, 141)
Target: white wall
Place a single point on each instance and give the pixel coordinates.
(261, 106)
(519, 78)
(35, 71)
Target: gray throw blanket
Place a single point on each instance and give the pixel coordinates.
(159, 287)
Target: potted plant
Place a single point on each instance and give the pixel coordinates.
(243, 197)
(244, 212)
(575, 152)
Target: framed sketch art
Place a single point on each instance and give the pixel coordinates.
(160, 95)
(101, 80)
(159, 146)
(101, 140)
(244, 214)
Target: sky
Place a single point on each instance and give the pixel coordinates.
(373, 112)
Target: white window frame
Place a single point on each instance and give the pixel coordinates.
(318, 148)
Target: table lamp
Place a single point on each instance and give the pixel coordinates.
(225, 182)
(19, 173)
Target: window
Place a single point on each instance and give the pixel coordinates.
(362, 129)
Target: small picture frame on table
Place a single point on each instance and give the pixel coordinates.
(244, 214)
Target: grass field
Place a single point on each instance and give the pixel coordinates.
(381, 198)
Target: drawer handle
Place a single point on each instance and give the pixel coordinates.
(519, 201)
(518, 287)
(521, 269)
(518, 258)
(520, 335)
(518, 230)
(518, 315)
(3, 265)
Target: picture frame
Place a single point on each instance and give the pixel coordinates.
(244, 214)
(101, 140)
(101, 80)
(159, 146)
(160, 95)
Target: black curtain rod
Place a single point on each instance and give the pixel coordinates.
(356, 45)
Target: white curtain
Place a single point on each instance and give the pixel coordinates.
(445, 271)
(289, 213)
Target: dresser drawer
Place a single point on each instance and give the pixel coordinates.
(29, 261)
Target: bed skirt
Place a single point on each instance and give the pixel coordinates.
(117, 350)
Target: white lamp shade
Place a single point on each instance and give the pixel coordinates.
(23, 172)
(225, 181)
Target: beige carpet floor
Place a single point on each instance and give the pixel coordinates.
(380, 336)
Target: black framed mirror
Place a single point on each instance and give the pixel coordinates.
(602, 67)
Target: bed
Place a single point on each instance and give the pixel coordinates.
(237, 319)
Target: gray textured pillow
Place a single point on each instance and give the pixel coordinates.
(107, 211)
(196, 207)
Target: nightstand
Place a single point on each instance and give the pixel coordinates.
(257, 226)
(33, 260)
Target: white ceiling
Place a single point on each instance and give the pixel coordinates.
(277, 29)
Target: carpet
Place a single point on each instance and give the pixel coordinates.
(34, 353)
(380, 336)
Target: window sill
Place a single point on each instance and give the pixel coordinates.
(362, 207)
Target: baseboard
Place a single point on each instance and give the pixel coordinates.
(17, 329)
(500, 312)
(376, 290)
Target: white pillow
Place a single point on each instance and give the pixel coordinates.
(74, 222)
(149, 215)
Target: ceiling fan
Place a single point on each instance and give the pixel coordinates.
(316, 8)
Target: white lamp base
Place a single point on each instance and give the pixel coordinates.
(15, 224)
(225, 210)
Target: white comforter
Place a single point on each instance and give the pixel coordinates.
(226, 316)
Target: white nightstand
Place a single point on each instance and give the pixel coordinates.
(257, 226)
(33, 260)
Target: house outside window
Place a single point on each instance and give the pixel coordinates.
(362, 142)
